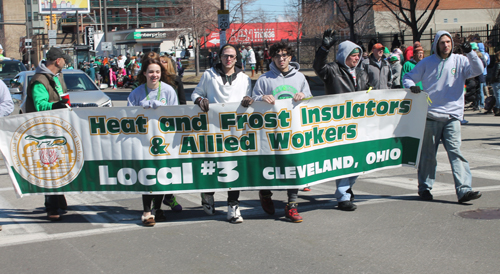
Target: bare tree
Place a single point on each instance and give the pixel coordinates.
(294, 12)
(353, 12)
(416, 14)
(238, 14)
(196, 19)
(316, 18)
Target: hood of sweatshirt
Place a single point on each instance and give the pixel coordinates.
(293, 67)
(345, 48)
(436, 40)
(42, 68)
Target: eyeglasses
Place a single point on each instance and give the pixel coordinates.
(227, 56)
(279, 56)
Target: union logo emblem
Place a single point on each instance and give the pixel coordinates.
(47, 152)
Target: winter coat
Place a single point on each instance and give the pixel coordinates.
(378, 78)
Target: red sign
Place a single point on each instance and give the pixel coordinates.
(256, 33)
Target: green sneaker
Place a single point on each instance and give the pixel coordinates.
(172, 203)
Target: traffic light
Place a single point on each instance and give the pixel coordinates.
(54, 19)
(47, 20)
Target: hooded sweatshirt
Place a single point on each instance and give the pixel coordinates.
(281, 86)
(444, 80)
(217, 90)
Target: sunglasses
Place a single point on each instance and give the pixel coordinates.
(279, 56)
(228, 56)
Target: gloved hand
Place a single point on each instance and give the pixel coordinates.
(415, 89)
(466, 47)
(202, 103)
(60, 104)
(155, 104)
(247, 100)
(146, 104)
(329, 39)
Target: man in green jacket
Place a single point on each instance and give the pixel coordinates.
(418, 55)
(44, 93)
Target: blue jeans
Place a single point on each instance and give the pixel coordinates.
(449, 133)
(496, 93)
(342, 186)
(480, 99)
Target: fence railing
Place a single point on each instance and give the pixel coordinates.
(489, 35)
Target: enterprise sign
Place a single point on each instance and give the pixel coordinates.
(145, 35)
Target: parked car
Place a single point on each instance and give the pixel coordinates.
(83, 92)
(10, 68)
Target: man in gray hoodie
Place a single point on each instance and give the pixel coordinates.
(443, 76)
(283, 81)
(341, 76)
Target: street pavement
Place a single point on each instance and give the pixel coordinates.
(392, 231)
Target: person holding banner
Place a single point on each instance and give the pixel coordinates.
(223, 83)
(342, 76)
(44, 93)
(443, 76)
(283, 81)
(152, 93)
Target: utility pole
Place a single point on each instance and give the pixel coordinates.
(127, 17)
(105, 20)
(100, 14)
(28, 27)
(50, 17)
(137, 13)
(222, 33)
(77, 29)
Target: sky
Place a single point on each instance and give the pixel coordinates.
(274, 10)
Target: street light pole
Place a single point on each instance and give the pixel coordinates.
(128, 12)
(105, 20)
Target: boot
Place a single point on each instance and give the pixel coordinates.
(496, 111)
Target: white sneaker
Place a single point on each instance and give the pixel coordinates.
(233, 214)
(207, 202)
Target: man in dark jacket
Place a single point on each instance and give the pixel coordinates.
(341, 76)
(44, 93)
(378, 69)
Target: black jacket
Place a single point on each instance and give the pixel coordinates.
(496, 73)
(336, 77)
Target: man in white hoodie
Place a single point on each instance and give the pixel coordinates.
(283, 81)
(223, 83)
(443, 76)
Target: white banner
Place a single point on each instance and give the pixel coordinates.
(176, 149)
